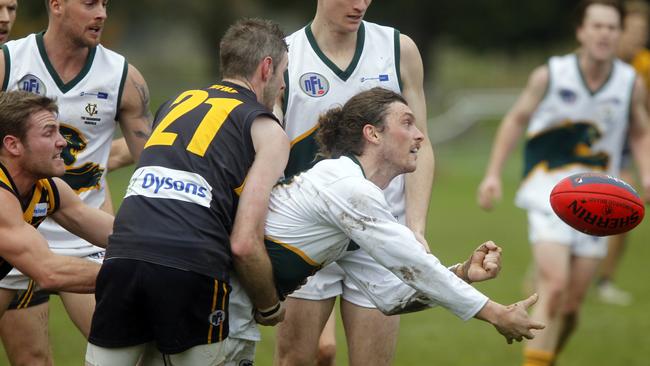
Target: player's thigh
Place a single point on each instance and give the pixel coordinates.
(25, 335)
(327, 338)
(80, 308)
(297, 336)
(6, 295)
(359, 322)
(552, 261)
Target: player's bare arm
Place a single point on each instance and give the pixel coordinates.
(26, 249)
(640, 136)
(120, 155)
(510, 130)
(418, 183)
(252, 264)
(91, 224)
(134, 116)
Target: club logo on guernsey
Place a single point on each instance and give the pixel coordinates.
(32, 84)
(40, 209)
(165, 183)
(314, 85)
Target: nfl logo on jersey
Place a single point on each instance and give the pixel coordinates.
(314, 85)
(32, 84)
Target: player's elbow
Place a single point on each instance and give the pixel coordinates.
(242, 249)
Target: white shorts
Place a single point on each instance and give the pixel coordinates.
(239, 352)
(15, 280)
(332, 281)
(548, 227)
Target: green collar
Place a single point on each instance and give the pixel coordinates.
(344, 75)
(64, 87)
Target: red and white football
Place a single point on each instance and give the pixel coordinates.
(597, 204)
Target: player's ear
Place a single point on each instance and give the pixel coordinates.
(54, 5)
(267, 68)
(13, 145)
(371, 134)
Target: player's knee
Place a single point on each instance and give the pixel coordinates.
(295, 357)
(556, 294)
(326, 355)
(32, 358)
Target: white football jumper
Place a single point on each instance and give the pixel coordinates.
(376, 63)
(575, 129)
(88, 107)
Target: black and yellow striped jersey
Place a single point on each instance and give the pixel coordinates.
(43, 201)
(181, 201)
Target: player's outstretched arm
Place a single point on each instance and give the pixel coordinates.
(640, 136)
(511, 321)
(134, 117)
(252, 263)
(510, 130)
(26, 249)
(91, 224)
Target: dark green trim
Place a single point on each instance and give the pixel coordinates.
(5, 82)
(584, 81)
(120, 91)
(285, 100)
(344, 75)
(356, 161)
(64, 87)
(398, 53)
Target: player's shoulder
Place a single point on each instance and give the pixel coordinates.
(291, 38)
(344, 175)
(540, 76)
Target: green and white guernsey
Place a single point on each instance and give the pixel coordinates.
(575, 129)
(315, 84)
(88, 106)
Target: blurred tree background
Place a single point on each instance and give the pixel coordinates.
(175, 44)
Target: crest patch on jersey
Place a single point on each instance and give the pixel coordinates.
(32, 84)
(217, 317)
(40, 209)
(314, 84)
(568, 96)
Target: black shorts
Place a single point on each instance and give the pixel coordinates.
(140, 302)
(28, 298)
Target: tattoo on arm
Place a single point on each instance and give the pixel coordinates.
(145, 114)
(143, 93)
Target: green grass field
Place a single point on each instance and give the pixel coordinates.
(608, 335)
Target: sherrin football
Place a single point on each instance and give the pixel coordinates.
(597, 204)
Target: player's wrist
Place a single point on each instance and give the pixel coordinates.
(460, 270)
(271, 315)
(270, 310)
